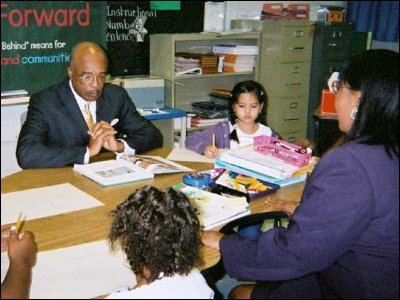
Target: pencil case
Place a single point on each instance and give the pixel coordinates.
(290, 153)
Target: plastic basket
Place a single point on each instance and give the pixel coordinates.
(288, 152)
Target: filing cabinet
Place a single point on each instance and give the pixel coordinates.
(331, 50)
(285, 59)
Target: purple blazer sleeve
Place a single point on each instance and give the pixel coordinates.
(344, 227)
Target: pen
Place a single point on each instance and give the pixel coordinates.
(213, 140)
(114, 122)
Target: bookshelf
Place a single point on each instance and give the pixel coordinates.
(183, 90)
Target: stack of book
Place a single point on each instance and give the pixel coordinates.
(237, 58)
(270, 169)
(209, 110)
(220, 97)
(239, 63)
(184, 66)
(207, 62)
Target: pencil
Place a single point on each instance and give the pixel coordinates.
(213, 140)
(19, 222)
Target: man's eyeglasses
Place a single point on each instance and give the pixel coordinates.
(336, 86)
(88, 77)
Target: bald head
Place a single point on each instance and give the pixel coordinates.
(87, 49)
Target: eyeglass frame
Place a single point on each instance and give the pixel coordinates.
(102, 77)
(337, 85)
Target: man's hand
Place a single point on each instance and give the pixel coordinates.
(102, 134)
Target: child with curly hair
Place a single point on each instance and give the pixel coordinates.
(160, 234)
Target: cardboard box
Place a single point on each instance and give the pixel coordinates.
(331, 14)
(277, 11)
(328, 102)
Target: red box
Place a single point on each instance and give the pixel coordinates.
(277, 11)
(297, 12)
(328, 102)
(272, 11)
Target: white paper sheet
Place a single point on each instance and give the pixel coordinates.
(78, 272)
(183, 154)
(45, 201)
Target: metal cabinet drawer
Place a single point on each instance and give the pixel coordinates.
(292, 114)
(289, 80)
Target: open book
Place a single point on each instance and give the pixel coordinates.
(126, 169)
(214, 209)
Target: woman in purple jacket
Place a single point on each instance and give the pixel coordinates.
(343, 238)
(247, 119)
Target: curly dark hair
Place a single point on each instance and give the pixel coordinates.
(158, 230)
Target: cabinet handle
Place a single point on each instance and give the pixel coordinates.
(293, 105)
(291, 119)
(293, 84)
(332, 45)
(298, 33)
(296, 48)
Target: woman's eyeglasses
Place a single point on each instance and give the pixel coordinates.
(337, 85)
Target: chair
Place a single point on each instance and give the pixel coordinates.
(249, 226)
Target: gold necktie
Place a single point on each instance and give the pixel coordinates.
(88, 116)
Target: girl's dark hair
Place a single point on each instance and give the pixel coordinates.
(375, 73)
(158, 230)
(249, 86)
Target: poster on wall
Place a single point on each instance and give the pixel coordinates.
(37, 38)
(130, 24)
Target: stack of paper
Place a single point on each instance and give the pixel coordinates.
(214, 209)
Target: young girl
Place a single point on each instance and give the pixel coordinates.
(247, 119)
(160, 235)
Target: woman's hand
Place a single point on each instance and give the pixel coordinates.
(284, 205)
(211, 238)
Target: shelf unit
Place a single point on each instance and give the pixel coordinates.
(331, 48)
(183, 90)
(285, 59)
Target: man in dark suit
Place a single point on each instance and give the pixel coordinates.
(59, 131)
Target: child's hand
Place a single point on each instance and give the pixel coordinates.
(211, 151)
(306, 143)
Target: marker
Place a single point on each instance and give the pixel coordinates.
(114, 122)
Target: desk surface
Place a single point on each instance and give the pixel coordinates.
(93, 224)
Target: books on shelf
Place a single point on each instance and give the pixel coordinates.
(207, 62)
(239, 63)
(235, 49)
(125, 169)
(214, 209)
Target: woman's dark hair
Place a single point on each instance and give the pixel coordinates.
(249, 86)
(375, 73)
(158, 230)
